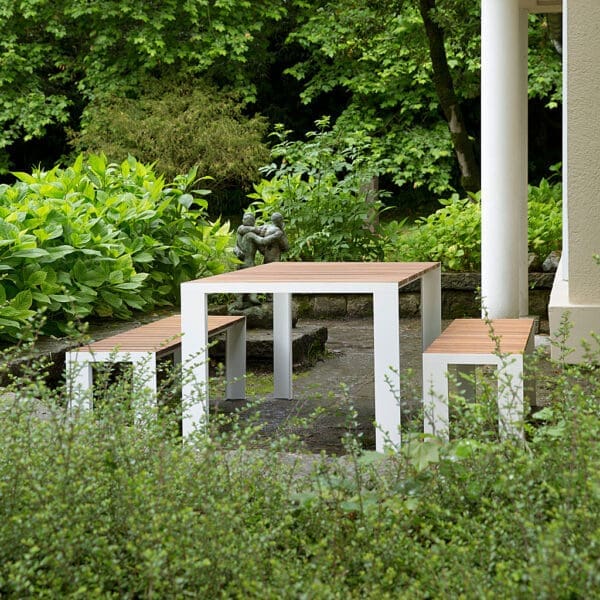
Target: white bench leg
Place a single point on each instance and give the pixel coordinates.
(79, 380)
(235, 361)
(466, 380)
(144, 381)
(510, 396)
(435, 396)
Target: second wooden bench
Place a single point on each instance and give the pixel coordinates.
(143, 346)
(499, 342)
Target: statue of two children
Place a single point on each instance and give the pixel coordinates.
(269, 239)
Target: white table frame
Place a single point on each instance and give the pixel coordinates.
(381, 280)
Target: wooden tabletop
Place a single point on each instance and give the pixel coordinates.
(330, 272)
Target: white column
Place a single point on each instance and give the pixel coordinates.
(502, 90)
(524, 171)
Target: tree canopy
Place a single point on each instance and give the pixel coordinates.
(391, 73)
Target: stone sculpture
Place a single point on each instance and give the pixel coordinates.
(270, 240)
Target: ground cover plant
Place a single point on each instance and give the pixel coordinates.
(96, 506)
(100, 239)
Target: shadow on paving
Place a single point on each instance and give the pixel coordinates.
(341, 379)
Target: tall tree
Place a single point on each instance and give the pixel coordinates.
(411, 73)
(57, 55)
(379, 53)
(449, 102)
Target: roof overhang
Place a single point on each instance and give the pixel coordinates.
(542, 6)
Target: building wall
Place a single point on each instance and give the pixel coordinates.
(577, 292)
(582, 77)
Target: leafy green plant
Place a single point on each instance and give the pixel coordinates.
(452, 234)
(177, 125)
(100, 239)
(321, 186)
(92, 506)
(545, 218)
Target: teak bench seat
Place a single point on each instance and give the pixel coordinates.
(499, 342)
(144, 345)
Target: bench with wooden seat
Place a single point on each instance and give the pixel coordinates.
(143, 346)
(498, 342)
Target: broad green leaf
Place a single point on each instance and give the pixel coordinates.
(8, 322)
(186, 200)
(25, 177)
(112, 299)
(36, 278)
(22, 301)
(31, 253)
(63, 297)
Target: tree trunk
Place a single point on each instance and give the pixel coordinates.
(444, 87)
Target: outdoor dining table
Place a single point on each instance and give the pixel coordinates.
(382, 280)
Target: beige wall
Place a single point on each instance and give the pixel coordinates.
(583, 149)
(578, 293)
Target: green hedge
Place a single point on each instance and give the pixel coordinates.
(452, 234)
(95, 508)
(100, 239)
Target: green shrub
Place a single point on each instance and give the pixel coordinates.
(452, 234)
(321, 186)
(91, 506)
(100, 239)
(545, 218)
(176, 126)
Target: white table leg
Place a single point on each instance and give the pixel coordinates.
(431, 306)
(386, 343)
(282, 345)
(194, 357)
(235, 361)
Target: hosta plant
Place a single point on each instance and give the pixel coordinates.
(100, 240)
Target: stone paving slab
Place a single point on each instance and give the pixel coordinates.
(346, 373)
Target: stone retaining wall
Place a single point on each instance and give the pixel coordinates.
(460, 298)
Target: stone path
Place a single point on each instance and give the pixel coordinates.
(345, 375)
(348, 366)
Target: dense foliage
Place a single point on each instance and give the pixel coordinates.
(378, 54)
(321, 185)
(369, 65)
(100, 239)
(178, 125)
(324, 187)
(93, 507)
(452, 234)
(59, 54)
